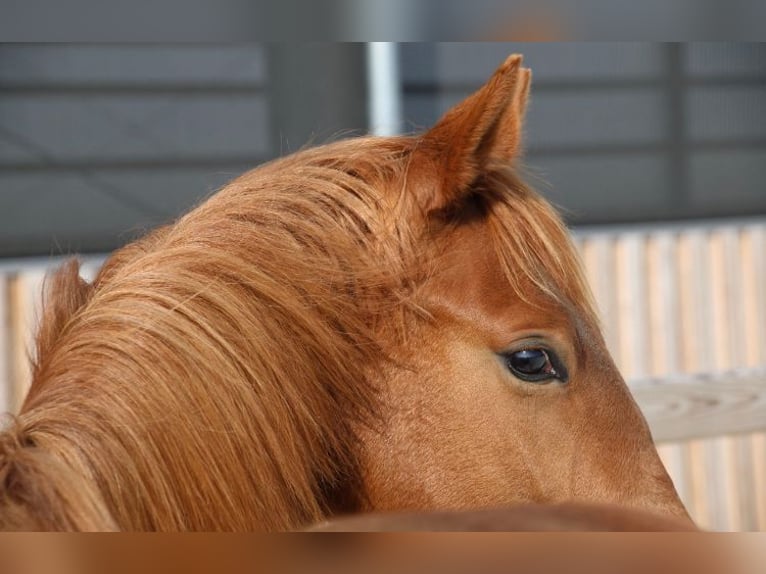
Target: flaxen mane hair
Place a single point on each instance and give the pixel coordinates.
(213, 375)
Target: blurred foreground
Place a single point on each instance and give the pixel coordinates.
(401, 20)
(402, 553)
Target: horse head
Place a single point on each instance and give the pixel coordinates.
(510, 394)
(374, 324)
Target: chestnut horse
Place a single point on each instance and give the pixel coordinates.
(375, 324)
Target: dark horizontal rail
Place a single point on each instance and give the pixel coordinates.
(240, 163)
(144, 90)
(247, 162)
(435, 87)
(642, 148)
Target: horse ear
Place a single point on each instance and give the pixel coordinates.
(483, 130)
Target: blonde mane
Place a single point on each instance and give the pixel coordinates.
(214, 374)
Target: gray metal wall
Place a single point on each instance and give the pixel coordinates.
(100, 142)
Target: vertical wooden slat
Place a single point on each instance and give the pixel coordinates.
(732, 270)
(695, 302)
(664, 312)
(720, 327)
(741, 471)
(695, 306)
(721, 451)
(673, 456)
(598, 258)
(25, 298)
(753, 280)
(665, 337)
(753, 277)
(632, 306)
(20, 371)
(759, 478)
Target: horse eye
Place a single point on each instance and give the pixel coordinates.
(535, 365)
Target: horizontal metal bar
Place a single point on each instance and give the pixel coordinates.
(104, 164)
(587, 84)
(175, 90)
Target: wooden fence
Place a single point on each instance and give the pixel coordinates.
(684, 314)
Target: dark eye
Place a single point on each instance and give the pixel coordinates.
(535, 365)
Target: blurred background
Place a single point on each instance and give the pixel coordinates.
(655, 152)
(398, 20)
(99, 142)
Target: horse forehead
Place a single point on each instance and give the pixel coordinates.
(472, 285)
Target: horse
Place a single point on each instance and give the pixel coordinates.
(375, 324)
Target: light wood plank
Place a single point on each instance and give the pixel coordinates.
(26, 303)
(743, 472)
(698, 502)
(696, 313)
(665, 338)
(753, 277)
(759, 477)
(695, 307)
(632, 307)
(664, 306)
(599, 261)
(723, 257)
(703, 406)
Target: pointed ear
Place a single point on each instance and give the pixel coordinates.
(483, 130)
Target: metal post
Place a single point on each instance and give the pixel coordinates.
(384, 88)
